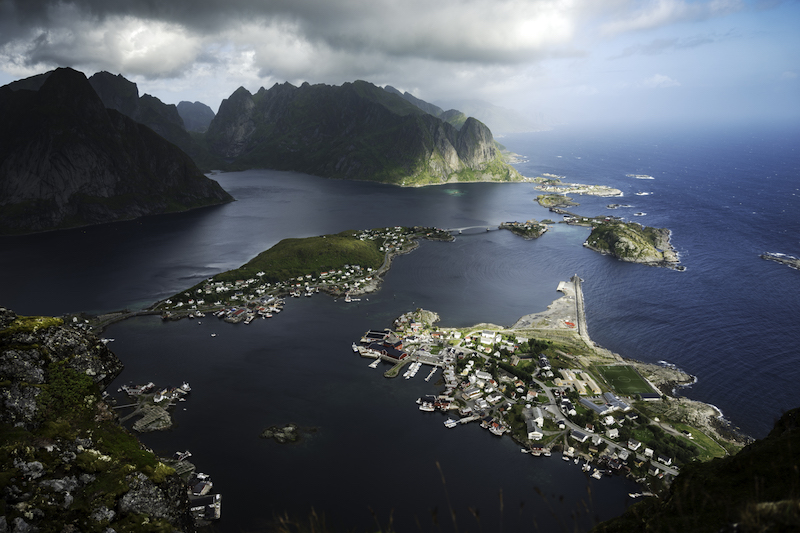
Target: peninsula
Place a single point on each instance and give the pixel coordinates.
(346, 265)
(547, 385)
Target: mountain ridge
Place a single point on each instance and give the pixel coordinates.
(67, 161)
(353, 131)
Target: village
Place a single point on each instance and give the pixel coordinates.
(542, 393)
(553, 184)
(244, 300)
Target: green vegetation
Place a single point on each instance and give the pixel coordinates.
(758, 489)
(531, 229)
(629, 241)
(625, 380)
(30, 324)
(555, 200)
(71, 436)
(707, 447)
(291, 258)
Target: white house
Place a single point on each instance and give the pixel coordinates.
(534, 433)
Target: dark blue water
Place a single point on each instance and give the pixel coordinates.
(730, 319)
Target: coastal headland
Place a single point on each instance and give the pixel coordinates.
(544, 382)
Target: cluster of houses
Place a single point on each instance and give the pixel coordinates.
(385, 344)
(345, 279)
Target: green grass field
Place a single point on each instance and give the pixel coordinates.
(625, 380)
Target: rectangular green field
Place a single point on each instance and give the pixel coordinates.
(625, 379)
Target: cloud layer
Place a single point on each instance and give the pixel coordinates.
(492, 49)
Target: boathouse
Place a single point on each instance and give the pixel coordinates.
(388, 351)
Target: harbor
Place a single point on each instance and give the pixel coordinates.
(152, 404)
(542, 401)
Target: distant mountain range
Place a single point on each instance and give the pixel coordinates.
(196, 115)
(79, 151)
(68, 160)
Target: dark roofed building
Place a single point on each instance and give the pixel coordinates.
(387, 351)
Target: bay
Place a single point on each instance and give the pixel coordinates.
(730, 319)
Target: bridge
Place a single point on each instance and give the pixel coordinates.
(467, 228)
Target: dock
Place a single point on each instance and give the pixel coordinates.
(433, 371)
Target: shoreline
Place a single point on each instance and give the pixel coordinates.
(550, 324)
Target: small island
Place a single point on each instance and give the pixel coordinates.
(531, 229)
(788, 260)
(629, 241)
(555, 200)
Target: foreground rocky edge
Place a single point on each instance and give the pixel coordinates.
(756, 490)
(67, 464)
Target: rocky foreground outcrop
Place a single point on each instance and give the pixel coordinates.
(352, 131)
(67, 161)
(65, 462)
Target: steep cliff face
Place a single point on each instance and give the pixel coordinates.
(66, 160)
(65, 462)
(353, 131)
(122, 95)
(196, 115)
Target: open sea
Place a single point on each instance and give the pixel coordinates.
(371, 458)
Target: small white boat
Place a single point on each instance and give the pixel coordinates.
(450, 423)
(597, 474)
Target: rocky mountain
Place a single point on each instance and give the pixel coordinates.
(196, 115)
(756, 490)
(66, 160)
(122, 95)
(453, 116)
(65, 462)
(352, 131)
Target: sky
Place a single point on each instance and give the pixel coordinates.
(566, 60)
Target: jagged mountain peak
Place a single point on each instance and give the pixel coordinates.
(356, 131)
